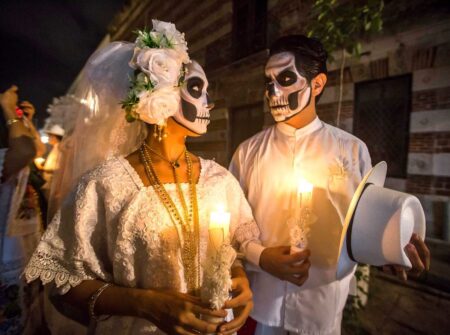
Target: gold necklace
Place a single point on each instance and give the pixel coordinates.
(188, 229)
(174, 163)
(186, 211)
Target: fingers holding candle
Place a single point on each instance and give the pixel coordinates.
(290, 267)
(240, 289)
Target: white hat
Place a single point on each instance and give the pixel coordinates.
(379, 224)
(55, 130)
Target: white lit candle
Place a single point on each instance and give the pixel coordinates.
(219, 227)
(302, 209)
(216, 284)
(304, 196)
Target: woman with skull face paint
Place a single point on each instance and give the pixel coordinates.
(299, 293)
(129, 241)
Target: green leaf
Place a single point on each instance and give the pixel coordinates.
(357, 49)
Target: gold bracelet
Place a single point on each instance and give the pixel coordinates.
(10, 122)
(93, 299)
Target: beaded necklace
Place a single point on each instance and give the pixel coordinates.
(187, 226)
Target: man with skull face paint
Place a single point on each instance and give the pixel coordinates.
(298, 292)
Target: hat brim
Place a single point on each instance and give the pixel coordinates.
(54, 133)
(376, 176)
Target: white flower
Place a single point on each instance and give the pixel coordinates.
(136, 52)
(63, 112)
(216, 285)
(174, 37)
(162, 66)
(156, 106)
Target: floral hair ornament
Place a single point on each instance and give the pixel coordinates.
(159, 58)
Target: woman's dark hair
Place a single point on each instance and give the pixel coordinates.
(310, 55)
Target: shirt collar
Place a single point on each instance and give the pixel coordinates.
(288, 130)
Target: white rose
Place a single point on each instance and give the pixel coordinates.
(168, 29)
(156, 106)
(132, 62)
(175, 38)
(161, 65)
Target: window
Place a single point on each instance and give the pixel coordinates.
(381, 120)
(249, 27)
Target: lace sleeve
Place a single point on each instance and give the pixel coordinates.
(73, 248)
(243, 227)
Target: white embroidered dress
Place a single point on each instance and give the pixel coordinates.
(115, 229)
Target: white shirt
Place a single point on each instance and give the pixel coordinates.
(266, 166)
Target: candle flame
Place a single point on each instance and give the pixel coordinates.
(44, 138)
(304, 186)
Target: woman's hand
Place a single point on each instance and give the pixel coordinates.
(177, 313)
(8, 102)
(241, 303)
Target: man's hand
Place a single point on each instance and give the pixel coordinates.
(241, 303)
(419, 255)
(280, 263)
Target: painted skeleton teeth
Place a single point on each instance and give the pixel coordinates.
(281, 103)
(204, 117)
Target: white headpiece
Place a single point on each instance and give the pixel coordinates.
(159, 58)
(155, 65)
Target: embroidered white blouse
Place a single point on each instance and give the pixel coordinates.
(115, 229)
(267, 166)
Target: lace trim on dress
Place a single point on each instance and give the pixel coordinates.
(245, 232)
(43, 266)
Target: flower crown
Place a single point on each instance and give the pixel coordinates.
(159, 58)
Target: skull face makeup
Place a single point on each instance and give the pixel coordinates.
(195, 102)
(287, 91)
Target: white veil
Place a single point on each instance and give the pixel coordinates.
(101, 130)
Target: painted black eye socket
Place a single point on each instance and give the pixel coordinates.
(195, 87)
(287, 78)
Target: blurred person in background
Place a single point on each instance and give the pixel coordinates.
(20, 223)
(55, 134)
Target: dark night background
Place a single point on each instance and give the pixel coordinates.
(44, 44)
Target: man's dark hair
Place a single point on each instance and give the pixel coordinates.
(310, 55)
